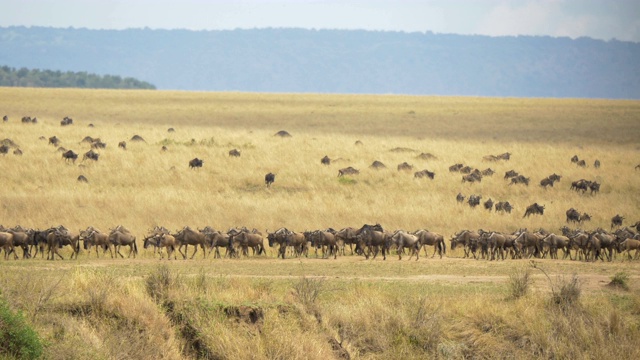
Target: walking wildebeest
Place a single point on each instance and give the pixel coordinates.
(120, 238)
(573, 215)
(405, 167)
(70, 155)
(325, 160)
(460, 198)
(429, 238)
(474, 200)
(424, 173)
(92, 155)
(348, 171)
(122, 145)
(616, 221)
(534, 208)
(269, 179)
(188, 236)
(195, 163)
(234, 153)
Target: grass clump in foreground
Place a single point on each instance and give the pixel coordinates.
(620, 280)
(519, 283)
(17, 339)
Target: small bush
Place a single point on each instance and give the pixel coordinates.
(307, 290)
(519, 283)
(17, 339)
(159, 282)
(620, 279)
(567, 293)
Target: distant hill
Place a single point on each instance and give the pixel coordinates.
(24, 77)
(336, 61)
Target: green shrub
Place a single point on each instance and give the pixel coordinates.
(620, 279)
(17, 339)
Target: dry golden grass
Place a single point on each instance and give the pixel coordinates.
(450, 308)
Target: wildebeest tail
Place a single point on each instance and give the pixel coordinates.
(135, 246)
(443, 246)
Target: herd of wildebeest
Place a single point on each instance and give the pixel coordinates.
(367, 241)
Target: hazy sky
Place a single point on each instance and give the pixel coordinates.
(600, 19)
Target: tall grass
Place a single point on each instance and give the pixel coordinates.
(260, 307)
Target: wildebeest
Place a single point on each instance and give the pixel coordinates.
(122, 145)
(93, 237)
(161, 240)
(137, 138)
(6, 243)
(234, 153)
(92, 155)
(456, 167)
(519, 179)
(83, 179)
(54, 141)
(171, 129)
(468, 240)
(503, 206)
(616, 221)
(123, 237)
(424, 173)
(552, 242)
(325, 240)
(474, 200)
(582, 163)
(70, 155)
(59, 237)
(370, 239)
(585, 217)
(98, 144)
(4, 149)
(269, 179)
(509, 174)
(5, 118)
(575, 159)
(429, 238)
(405, 167)
(573, 215)
(504, 156)
(195, 163)
(66, 121)
(188, 236)
(488, 204)
(460, 198)
(594, 187)
(581, 185)
(473, 177)
(466, 169)
(406, 240)
(377, 165)
(246, 239)
(534, 208)
(282, 133)
(487, 172)
(628, 245)
(325, 160)
(546, 182)
(596, 164)
(348, 171)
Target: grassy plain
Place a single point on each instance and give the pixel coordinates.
(450, 308)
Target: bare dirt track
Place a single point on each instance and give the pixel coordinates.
(448, 271)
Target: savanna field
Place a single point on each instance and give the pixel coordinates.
(262, 307)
